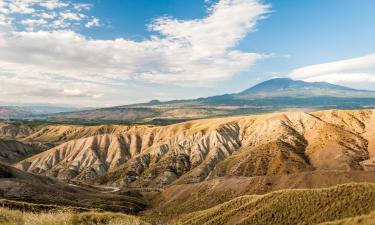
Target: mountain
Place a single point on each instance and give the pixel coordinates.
(283, 84)
(263, 145)
(280, 94)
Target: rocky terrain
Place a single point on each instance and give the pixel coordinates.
(262, 145)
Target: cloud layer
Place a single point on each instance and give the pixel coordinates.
(360, 70)
(39, 41)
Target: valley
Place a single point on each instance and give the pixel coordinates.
(191, 169)
(172, 112)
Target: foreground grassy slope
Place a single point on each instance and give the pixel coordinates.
(368, 219)
(339, 205)
(290, 207)
(187, 198)
(12, 217)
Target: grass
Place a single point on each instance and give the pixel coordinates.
(32, 207)
(368, 219)
(14, 217)
(340, 205)
(290, 207)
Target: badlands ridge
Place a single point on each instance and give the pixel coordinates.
(194, 151)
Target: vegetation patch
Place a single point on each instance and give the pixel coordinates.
(14, 217)
(290, 207)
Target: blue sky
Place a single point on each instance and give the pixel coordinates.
(103, 52)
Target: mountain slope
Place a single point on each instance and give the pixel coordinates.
(282, 84)
(12, 151)
(271, 144)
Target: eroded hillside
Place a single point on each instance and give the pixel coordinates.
(271, 144)
(50, 193)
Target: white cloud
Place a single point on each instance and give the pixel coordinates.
(82, 6)
(31, 23)
(53, 4)
(60, 14)
(94, 22)
(71, 16)
(48, 15)
(181, 52)
(350, 71)
(19, 6)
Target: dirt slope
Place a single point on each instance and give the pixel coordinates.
(22, 186)
(56, 134)
(12, 151)
(19, 141)
(271, 144)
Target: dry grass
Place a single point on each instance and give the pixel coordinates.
(13, 217)
(368, 219)
(290, 207)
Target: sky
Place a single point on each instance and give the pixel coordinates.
(101, 53)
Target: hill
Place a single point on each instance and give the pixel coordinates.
(230, 170)
(344, 204)
(7, 112)
(14, 151)
(21, 186)
(290, 207)
(280, 94)
(262, 145)
(186, 198)
(368, 219)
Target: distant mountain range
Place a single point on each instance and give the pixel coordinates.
(275, 88)
(281, 85)
(280, 94)
(28, 111)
